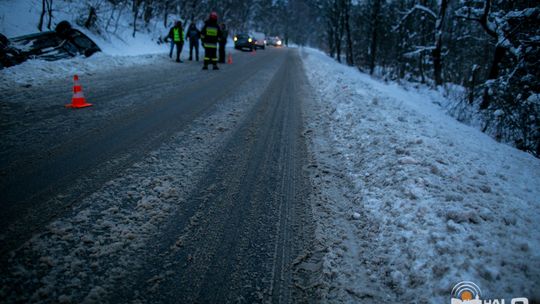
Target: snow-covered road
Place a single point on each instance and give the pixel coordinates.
(177, 184)
(190, 186)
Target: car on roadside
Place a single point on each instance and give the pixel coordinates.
(243, 42)
(63, 42)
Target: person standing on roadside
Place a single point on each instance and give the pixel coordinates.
(176, 35)
(210, 34)
(193, 35)
(223, 41)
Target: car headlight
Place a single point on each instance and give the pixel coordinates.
(250, 40)
(235, 38)
(278, 42)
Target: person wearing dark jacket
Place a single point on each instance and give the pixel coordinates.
(176, 35)
(223, 42)
(210, 34)
(193, 35)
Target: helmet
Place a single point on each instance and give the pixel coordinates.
(213, 16)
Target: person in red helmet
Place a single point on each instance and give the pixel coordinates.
(210, 34)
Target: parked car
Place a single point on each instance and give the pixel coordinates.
(63, 42)
(259, 40)
(243, 42)
(274, 41)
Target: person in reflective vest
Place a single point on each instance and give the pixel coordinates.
(176, 35)
(210, 35)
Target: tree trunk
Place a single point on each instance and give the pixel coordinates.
(374, 33)
(497, 58)
(493, 74)
(437, 51)
(148, 11)
(166, 14)
(421, 69)
(331, 46)
(111, 17)
(338, 46)
(349, 52)
(117, 22)
(338, 28)
(135, 11)
(42, 15)
(49, 12)
(472, 83)
(91, 19)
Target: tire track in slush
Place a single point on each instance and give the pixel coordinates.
(79, 166)
(236, 241)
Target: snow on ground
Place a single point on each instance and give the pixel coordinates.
(411, 201)
(34, 72)
(20, 18)
(119, 48)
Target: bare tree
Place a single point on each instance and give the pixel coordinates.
(46, 9)
(135, 10)
(375, 15)
(346, 7)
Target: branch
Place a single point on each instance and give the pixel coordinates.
(419, 51)
(417, 7)
(488, 27)
(466, 13)
(426, 10)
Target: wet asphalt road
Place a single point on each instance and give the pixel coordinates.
(250, 204)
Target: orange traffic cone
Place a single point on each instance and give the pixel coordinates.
(229, 59)
(78, 100)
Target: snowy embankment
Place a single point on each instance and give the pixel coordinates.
(411, 201)
(119, 47)
(35, 72)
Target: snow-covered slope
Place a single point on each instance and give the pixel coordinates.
(21, 17)
(411, 201)
(119, 47)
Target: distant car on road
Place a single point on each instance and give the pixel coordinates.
(274, 41)
(243, 42)
(63, 42)
(259, 40)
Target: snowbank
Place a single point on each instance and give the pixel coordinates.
(425, 201)
(21, 18)
(119, 49)
(33, 72)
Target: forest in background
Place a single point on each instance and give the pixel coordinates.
(488, 50)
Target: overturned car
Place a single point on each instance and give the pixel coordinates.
(63, 42)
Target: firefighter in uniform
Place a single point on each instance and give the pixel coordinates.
(176, 34)
(210, 35)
